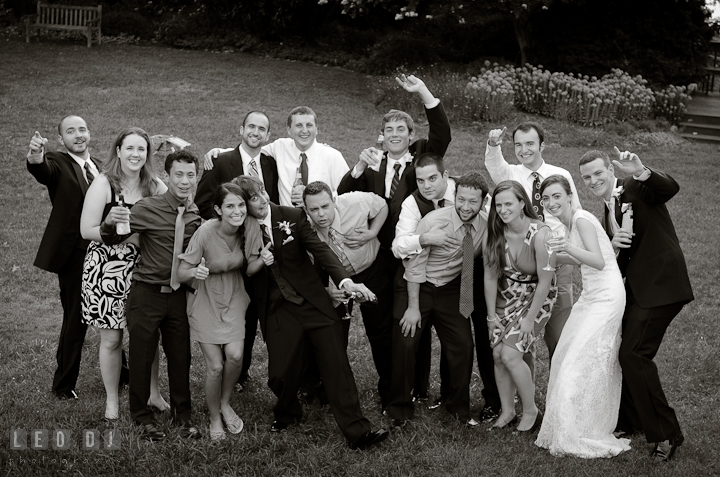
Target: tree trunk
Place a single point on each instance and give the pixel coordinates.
(520, 22)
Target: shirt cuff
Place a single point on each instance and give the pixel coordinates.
(645, 175)
(432, 104)
(354, 173)
(342, 282)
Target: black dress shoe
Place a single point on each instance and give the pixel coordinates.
(422, 397)
(124, 377)
(70, 395)
(665, 450)
(151, 433)
(278, 426)
(489, 413)
(188, 431)
(370, 438)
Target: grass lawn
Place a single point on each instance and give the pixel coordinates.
(202, 97)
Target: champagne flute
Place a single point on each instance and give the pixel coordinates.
(348, 296)
(555, 235)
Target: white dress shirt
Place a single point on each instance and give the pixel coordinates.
(500, 171)
(324, 163)
(407, 242)
(246, 163)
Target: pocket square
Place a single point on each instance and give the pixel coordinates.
(289, 239)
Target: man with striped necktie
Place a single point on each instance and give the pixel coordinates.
(245, 159)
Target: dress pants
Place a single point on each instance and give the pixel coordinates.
(149, 313)
(561, 310)
(251, 325)
(292, 330)
(643, 406)
(439, 307)
(72, 332)
(483, 351)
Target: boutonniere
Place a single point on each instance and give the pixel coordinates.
(617, 192)
(625, 207)
(285, 227)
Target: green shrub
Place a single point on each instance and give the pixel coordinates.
(129, 23)
(671, 102)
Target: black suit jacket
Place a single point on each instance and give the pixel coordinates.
(293, 262)
(374, 181)
(227, 167)
(654, 265)
(67, 187)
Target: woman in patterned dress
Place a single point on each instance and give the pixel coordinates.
(519, 296)
(108, 268)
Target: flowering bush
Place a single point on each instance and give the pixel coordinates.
(671, 102)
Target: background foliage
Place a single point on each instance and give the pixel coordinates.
(665, 41)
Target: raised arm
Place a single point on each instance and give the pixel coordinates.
(495, 163)
(653, 187)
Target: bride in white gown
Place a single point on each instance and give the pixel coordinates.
(583, 397)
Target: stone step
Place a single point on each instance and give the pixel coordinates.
(700, 128)
(701, 118)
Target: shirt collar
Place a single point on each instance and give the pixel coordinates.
(246, 158)
(458, 223)
(174, 201)
(540, 170)
(403, 160)
(80, 160)
(308, 152)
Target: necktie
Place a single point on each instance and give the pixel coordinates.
(337, 246)
(466, 276)
(177, 247)
(253, 168)
(303, 168)
(88, 173)
(267, 238)
(611, 218)
(536, 203)
(395, 180)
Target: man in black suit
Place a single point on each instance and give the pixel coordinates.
(296, 313)
(657, 286)
(391, 174)
(244, 159)
(67, 176)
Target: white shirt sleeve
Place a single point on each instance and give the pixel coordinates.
(496, 164)
(407, 242)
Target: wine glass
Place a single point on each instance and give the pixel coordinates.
(555, 235)
(348, 296)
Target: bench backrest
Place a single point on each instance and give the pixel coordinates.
(69, 15)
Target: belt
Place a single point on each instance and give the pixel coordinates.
(164, 288)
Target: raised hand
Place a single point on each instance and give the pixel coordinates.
(369, 157)
(628, 162)
(37, 148)
(411, 84)
(201, 272)
(495, 136)
(267, 255)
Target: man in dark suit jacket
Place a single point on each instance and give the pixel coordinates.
(372, 174)
(243, 160)
(296, 313)
(62, 249)
(657, 286)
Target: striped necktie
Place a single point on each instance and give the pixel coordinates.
(466, 276)
(395, 180)
(337, 246)
(88, 172)
(253, 168)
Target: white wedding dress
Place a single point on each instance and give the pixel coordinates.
(583, 397)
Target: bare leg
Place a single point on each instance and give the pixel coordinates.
(213, 383)
(506, 388)
(110, 357)
(522, 377)
(231, 374)
(156, 399)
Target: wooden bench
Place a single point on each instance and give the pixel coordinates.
(66, 17)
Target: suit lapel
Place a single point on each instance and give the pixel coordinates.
(236, 164)
(379, 178)
(79, 175)
(277, 234)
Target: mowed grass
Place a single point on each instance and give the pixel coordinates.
(202, 97)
